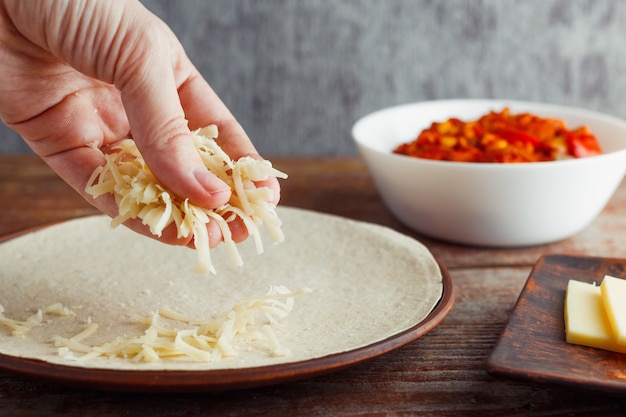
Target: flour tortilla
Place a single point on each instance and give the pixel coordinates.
(369, 282)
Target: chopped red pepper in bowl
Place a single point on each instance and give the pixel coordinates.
(507, 201)
(502, 137)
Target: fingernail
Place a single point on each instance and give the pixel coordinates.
(211, 183)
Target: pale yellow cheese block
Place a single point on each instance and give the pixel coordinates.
(614, 299)
(586, 321)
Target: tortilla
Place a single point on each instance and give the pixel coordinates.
(368, 283)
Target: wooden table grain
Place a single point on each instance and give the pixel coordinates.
(441, 374)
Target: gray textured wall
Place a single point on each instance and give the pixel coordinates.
(297, 73)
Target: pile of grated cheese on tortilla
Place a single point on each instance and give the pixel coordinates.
(138, 194)
(171, 335)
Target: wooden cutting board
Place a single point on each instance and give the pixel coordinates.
(532, 345)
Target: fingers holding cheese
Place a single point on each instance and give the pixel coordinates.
(203, 107)
(139, 195)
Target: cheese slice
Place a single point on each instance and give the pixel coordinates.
(586, 321)
(614, 299)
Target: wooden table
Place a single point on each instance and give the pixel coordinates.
(441, 374)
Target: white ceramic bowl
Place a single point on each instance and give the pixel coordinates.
(490, 204)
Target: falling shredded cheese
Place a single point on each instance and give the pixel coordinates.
(249, 322)
(139, 195)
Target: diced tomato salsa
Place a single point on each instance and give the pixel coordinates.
(502, 137)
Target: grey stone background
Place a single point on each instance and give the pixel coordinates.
(298, 73)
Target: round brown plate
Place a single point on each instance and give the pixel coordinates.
(335, 354)
(226, 379)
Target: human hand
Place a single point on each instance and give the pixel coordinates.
(78, 76)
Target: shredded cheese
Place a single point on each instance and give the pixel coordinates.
(139, 195)
(19, 328)
(250, 321)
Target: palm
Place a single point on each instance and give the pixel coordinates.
(85, 79)
(57, 109)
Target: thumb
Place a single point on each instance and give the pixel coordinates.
(145, 75)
